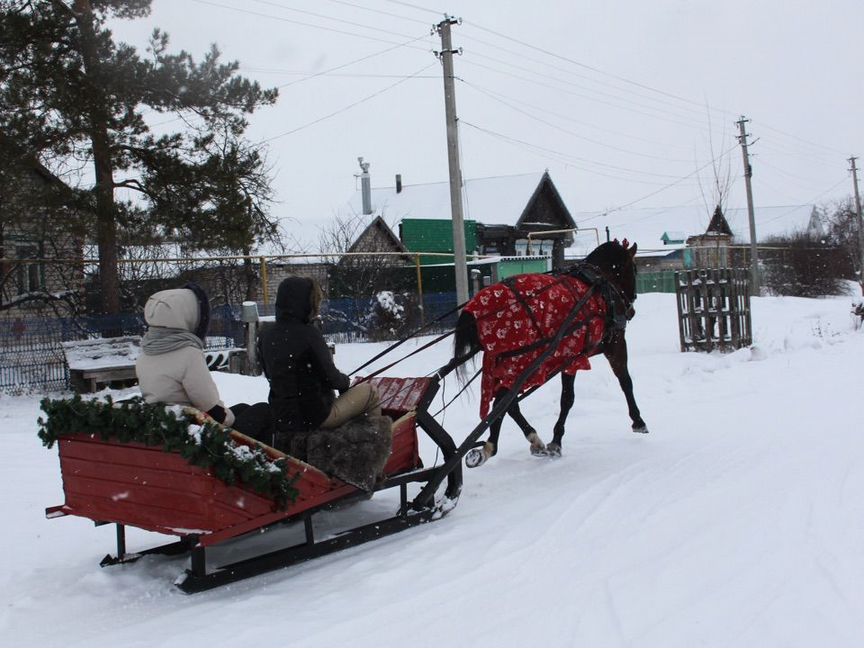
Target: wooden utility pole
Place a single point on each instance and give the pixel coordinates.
(860, 224)
(748, 173)
(459, 263)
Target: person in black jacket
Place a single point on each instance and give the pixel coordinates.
(299, 366)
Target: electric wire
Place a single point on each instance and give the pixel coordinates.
(562, 158)
(345, 108)
(349, 63)
(379, 11)
(569, 118)
(418, 7)
(493, 96)
(610, 98)
(301, 23)
(304, 12)
(565, 90)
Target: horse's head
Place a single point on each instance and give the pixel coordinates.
(617, 262)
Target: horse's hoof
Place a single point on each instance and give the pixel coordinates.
(538, 448)
(640, 429)
(478, 456)
(553, 449)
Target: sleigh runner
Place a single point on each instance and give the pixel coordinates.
(133, 484)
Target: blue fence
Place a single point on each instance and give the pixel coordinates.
(31, 351)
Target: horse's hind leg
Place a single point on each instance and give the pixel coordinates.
(567, 398)
(478, 456)
(538, 448)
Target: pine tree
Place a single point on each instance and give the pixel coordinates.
(69, 92)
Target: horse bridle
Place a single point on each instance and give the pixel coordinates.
(620, 306)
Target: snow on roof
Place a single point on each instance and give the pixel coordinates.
(491, 201)
(646, 225)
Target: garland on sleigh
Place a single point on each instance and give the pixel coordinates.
(208, 446)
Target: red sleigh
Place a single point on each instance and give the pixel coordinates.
(131, 484)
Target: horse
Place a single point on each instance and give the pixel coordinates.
(542, 325)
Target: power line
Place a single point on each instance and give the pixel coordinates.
(522, 57)
(353, 23)
(379, 11)
(569, 118)
(345, 75)
(801, 139)
(602, 93)
(588, 98)
(418, 7)
(492, 95)
(349, 63)
(669, 186)
(569, 159)
(303, 24)
(637, 84)
(812, 200)
(583, 65)
(346, 108)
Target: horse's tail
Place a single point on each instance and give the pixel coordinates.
(466, 343)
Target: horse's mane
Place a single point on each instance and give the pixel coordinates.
(608, 255)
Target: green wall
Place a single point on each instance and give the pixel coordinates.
(522, 265)
(435, 235)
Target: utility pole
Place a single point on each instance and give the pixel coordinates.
(748, 173)
(854, 171)
(446, 55)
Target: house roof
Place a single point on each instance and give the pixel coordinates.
(379, 224)
(646, 226)
(491, 201)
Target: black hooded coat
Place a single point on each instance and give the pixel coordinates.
(297, 362)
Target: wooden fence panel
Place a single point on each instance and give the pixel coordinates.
(713, 309)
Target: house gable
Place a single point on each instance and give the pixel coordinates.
(718, 224)
(545, 208)
(378, 237)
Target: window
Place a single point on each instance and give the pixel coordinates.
(521, 247)
(31, 276)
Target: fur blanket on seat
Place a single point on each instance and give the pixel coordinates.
(355, 453)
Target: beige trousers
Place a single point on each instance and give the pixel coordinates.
(359, 400)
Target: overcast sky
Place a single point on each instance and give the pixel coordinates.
(622, 100)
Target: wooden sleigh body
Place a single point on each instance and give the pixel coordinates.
(131, 484)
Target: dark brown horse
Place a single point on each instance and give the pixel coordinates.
(532, 327)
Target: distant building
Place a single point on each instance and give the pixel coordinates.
(35, 224)
(508, 216)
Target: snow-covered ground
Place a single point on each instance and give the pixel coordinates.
(738, 521)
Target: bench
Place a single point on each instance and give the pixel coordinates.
(104, 361)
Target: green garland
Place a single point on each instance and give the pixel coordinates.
(209, 445)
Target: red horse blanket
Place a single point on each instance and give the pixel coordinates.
(522, 312)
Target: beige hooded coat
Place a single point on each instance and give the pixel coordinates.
(178, 377)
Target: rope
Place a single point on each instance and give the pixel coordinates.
(414, 352)
(459, 393)
(413, 334)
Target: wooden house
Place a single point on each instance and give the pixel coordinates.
(519, 215)
(40, 238)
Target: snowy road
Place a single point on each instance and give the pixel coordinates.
(738, 521)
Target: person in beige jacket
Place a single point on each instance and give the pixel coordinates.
(171, 368)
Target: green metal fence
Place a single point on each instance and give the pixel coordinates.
(662, 281)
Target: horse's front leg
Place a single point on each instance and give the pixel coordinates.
(567, 397)
(616, 354)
